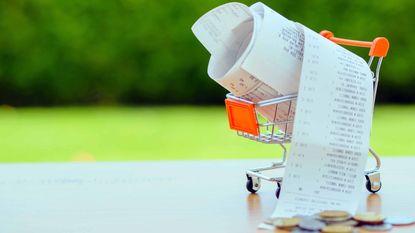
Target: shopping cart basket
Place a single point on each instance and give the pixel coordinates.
(245, 118)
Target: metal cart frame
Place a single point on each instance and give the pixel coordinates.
(244, 117)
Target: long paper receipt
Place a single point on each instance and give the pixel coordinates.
(258, 54)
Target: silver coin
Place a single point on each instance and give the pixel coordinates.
(311, 224)
(400, 220)
(380, 227)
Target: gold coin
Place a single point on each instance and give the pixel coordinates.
(334, 214)
(334, 220)
(351, 223)
(286, 222)
(369, 217)
(337, 229)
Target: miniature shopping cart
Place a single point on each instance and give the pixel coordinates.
(245, 118)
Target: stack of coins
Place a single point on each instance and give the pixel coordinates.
(372, 221)
(338, 221)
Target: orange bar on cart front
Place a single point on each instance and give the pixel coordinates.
(242, 116)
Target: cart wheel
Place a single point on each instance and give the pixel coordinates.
(253, 184)
(372, 189)
(278, 191)
(373, 183)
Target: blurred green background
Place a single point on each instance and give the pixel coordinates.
(126, 79)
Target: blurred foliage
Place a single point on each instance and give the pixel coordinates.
(134, 51)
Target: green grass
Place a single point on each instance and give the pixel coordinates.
(154, 133)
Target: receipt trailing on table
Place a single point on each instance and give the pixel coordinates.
(258, 54)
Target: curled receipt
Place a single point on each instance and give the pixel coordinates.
(258, 54)
(246, 46)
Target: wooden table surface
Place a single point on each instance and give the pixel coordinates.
(165, 196)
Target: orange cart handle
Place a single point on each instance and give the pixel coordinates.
(378, 47)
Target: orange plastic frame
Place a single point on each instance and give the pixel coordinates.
(378, 47)
(242, 115)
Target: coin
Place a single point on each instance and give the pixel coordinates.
(335, 220)
(400, 220)
(334, 214)
(311, 224)
(369, 218)
(380, 227)
(345, 223)
(286, 222)
(337, 229)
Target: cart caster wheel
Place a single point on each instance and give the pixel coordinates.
(373, 183)
(278, 191)
(253, 184)
(373, 188)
